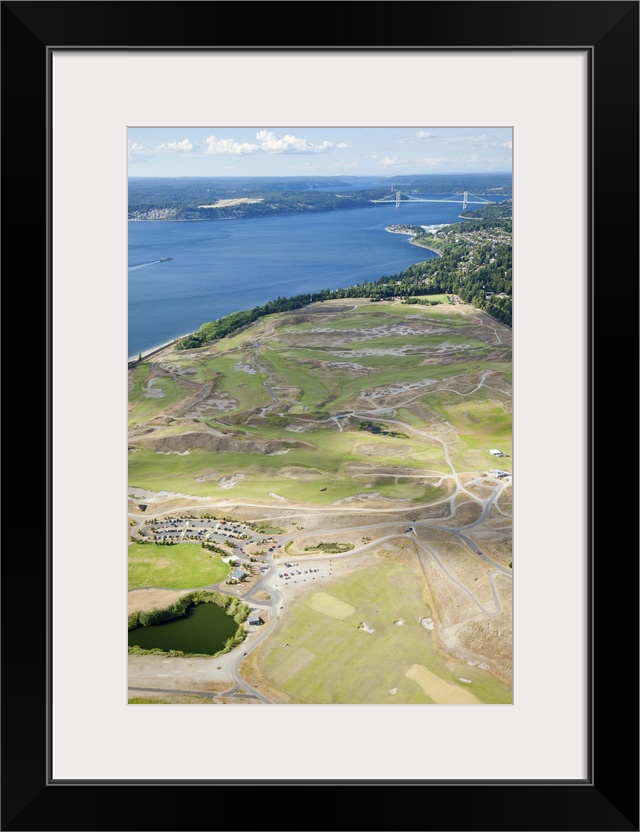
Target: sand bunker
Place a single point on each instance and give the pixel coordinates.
(178, 369)
(212, 475)
(351, 366)
(220, 403)
(397, 389)
(385, 331)
(442, 693)
(302, 474)
(378, 449)
(229, 482)
(358, 498)
(245, 368)
(150, 392)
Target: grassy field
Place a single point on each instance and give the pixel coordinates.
(158, 472)
(375, 314)
(481, 423)
(178, 700)
(144, 407)
(329, 660)
(318, 389)
(182, 566)
(140, 700)
(266, 528)
(329, 454)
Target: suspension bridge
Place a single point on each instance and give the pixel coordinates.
(467, 199)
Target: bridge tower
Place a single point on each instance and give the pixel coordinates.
(397, 199)
(464, 200)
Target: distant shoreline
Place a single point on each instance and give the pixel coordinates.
(134, 359)
(412, 239)
(428, 248)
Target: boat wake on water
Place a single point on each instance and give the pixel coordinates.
(150, 263)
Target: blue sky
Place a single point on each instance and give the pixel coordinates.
(317, 151)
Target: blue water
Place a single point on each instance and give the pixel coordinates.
(222, 266)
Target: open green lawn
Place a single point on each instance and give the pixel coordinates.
(267, 528)
(481, 424)
(439, 298)
(158, 472)
(329, 660)
(291, 371)
(143, 406)
(182, 566)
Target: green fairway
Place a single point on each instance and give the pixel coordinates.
(329, 660)
(181, 566)
(318, 474)
(328, 389)
(147, 402)
(481, 424)
(158, 472)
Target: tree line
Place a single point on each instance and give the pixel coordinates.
(233, 607)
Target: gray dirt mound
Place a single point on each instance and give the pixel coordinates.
(136, 432)
(303, 474)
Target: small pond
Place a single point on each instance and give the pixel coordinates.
(203, 629)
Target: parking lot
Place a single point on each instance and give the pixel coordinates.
(207, 530)
(299, 572)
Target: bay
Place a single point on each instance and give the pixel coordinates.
(222, 266)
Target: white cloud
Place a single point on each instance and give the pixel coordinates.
(228, 147)
(136, 149)
(507, 144)
(424, 134)
(343, 165)
(434, 160)
(456, 139)
(390, 160)
(451, 161)
(271, 143)
(184, 146)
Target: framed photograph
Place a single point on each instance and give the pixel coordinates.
(561, 78)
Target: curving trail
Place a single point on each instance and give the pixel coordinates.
(462, 587)
(265, 383)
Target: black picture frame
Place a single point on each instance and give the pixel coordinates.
(608, 798)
